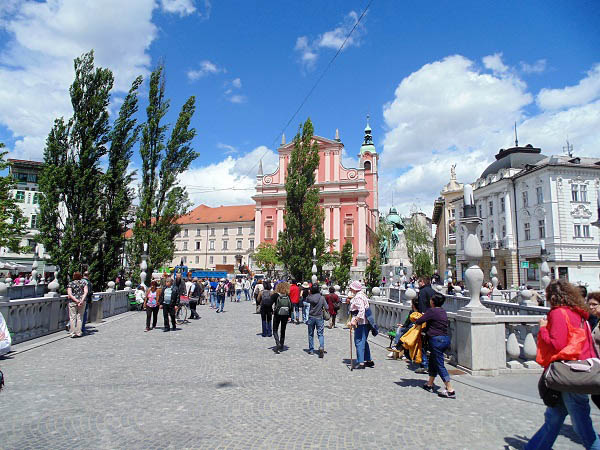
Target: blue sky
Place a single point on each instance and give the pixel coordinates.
(443, 81)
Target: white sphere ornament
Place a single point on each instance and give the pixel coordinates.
(376, 291)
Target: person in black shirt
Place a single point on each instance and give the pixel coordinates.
(426, 292)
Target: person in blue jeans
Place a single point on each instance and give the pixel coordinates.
(221, 292)
(315, 320)
(359, 304)
(437, 335)
(213, 293)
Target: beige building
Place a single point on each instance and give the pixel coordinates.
(212, 237)
(444, 218)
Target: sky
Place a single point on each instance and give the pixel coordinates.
(443, 82)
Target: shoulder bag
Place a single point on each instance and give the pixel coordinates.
(326, 315)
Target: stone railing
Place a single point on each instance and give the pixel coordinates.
(34, 317)
(26, 291)
(515, 337)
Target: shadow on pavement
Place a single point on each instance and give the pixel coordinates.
(410, 382)
(519, 442)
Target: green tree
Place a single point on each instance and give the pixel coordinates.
(303, 216)
(418, 246)
(341, 273)
(71, 180)
(372, 273)
(162, 199)
(12, 221)
(117, 194)
(265, 256)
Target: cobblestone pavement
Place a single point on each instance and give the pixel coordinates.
(215, 383)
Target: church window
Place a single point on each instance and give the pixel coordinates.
(349, 230)
(367, 166)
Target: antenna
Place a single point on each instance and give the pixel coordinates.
(516, 140)
(568, 148)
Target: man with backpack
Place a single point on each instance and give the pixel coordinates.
(282, 312)
(221, 292)
(194, 292)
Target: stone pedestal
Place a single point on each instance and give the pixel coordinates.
(96, 312)
(478, 335)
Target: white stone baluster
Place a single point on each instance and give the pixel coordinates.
(513, 351)
(530, 348)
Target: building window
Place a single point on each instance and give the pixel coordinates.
(539, 195)
(240, 230)
(20, 197)
(185, 245)
(577, 230)
(503, 231)
(184, 259)
(251, 244)
(480, 211)
(185, 233)
(225, 243)
(574, 193)
(583, 193)
(586, 231)
(491, 208)
(491, 232)
(527, 231)
(225, 231)
(239, 244)
(211, 245)
(198, 245)
(224, 259)
(212, 231)
(198, 231)
(36, 198)
(349, 230)
(525, 199)
(481, 235)
(34, 223)
(542, 228)
(197, 259)
(502, 205)
(269, 232)
(211, 260)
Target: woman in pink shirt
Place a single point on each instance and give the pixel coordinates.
(568, 308)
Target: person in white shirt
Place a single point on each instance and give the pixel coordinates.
(238, 289)
(247, 289)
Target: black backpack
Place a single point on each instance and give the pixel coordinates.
(221, 289)
(283, 306)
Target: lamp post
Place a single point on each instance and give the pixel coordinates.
(34, 265)
(597, 222)
(144, 266)
(473, 250)
(449, 271)
(314, 266)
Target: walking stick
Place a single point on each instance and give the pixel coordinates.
(351, 365)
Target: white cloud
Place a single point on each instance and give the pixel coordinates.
(537, 67)
(237, 83)
(587, 90)
(494, 63)
(36, 61)
(235, 177)
(333, 39)
(236, 98)
(206, 68)
(230, 149)
(449, 112)
(181, 7)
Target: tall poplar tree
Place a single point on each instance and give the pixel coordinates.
(162, 199)
(303, 216)
(341, 272)
(117, 193)
(71, 180)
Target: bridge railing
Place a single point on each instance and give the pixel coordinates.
(30, 318)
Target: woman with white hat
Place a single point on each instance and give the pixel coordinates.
(359, 304)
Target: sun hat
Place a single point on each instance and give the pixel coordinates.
(356, 286)
(305, 285)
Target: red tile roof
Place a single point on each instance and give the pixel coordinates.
(206, 214)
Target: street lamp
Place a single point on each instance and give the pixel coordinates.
(314, 266)
(473, 250)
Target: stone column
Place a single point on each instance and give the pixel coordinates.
(336, 227)
(257, 226)
(327, 166)
(326, 224)
(509, 222)
(279, 220)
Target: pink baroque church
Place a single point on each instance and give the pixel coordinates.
(348, 197)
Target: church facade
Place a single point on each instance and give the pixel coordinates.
(348, 197)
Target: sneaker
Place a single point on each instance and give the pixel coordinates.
(421, 370)
(310, 352)
(217, 311)
(369, 364)
(390, 355)
(359, 366)
(321, 352)
(427, 387)
(146, 330)
(447, 394)
(166, 329)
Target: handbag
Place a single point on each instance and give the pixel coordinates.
(575, 339)
(550, 397)
(581, 377)
(326, 315)
(372, 325)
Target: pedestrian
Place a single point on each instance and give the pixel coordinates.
(295, 299)
(359, 304)
(266, 310)
(258, 288)
(305, 304)
(151, 305)
(231, 290)
(168, 301)
(76, 292)
(221, 293)
(426, 292)
(213, 292)
(194, 293)
(315, 319)
(559, 338)
(247, 289)
(282, 311)
(437, 336)
(239, 287)
(333, 304)
(88, 299)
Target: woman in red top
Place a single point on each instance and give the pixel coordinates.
(333, 302)
(567, 304)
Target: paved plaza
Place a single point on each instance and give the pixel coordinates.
(215, 383)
